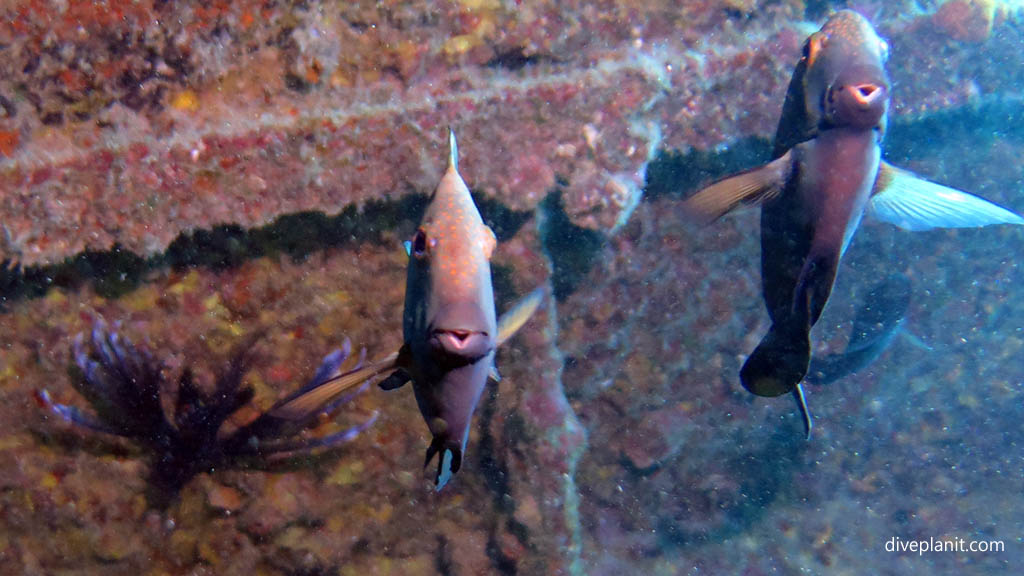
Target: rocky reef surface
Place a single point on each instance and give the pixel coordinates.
(203, 172)
(126, 123)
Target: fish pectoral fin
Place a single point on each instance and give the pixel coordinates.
(308, 401)
(513, 319)
(396, 380)
(751, 187)
(903, 199)
(400, 376)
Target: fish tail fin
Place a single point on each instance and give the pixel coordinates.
(779, 362)
(449, 461)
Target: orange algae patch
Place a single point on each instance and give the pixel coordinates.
(9, 141)
(247, 19)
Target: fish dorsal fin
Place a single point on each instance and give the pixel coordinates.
(453, 151)
(751, 187)
(514, 318)
(903, 199)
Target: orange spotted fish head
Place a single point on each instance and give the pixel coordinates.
(451, 253)
(844, 81)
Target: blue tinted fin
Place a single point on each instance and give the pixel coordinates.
(444, 469)
(905, 200)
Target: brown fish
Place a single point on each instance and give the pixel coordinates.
(449, 326)
(826, 173)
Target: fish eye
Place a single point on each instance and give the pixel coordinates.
(418, 247)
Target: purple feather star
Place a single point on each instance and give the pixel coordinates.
(124, 386)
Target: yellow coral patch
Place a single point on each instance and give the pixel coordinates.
(346, 474)
(460, 44)
(186, 100)
(475, 5)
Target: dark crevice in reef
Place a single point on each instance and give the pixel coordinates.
(974, 126)
(570, 248)
(815, 10)
(679, 174)
(117, 271)
(517, 58)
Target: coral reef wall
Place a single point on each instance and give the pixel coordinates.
(128, 122)
(292, 144)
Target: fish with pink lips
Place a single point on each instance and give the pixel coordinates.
(449, 327)
(826, 174)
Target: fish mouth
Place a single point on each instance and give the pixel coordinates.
(465, 343)
(860, 105)
(865, 95)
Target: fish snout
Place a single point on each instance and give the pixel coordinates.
(858, 105)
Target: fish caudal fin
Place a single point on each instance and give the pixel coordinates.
(903, 199)
(751, 187)
(449, 461)
(779, 362)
